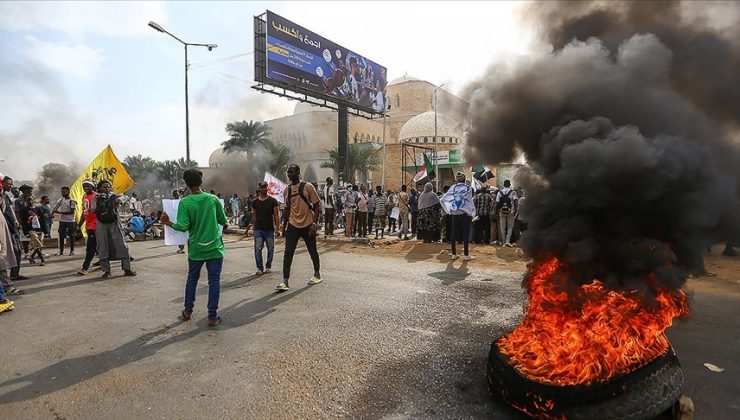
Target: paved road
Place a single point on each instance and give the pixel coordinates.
(379, 338)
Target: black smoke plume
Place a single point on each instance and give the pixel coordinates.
(53, 176)
(630, 139)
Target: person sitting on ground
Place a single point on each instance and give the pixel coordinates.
(200, 215)
(136, 225)
(150, 225)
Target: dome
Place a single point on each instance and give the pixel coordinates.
(404, 78)
(422, 126)
(219, 159)
(303, 107)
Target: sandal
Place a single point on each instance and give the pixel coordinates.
(15, 291)
(186, 315)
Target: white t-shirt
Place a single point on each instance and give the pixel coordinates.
(328, 197)
(66, 204)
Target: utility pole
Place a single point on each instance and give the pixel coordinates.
(436, 159)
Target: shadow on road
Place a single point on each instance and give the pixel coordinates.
(70, 372)
(451, 274)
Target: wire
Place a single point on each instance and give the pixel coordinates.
(220, 60)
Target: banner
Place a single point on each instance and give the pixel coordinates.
(275, 187)
(306, 60)
(105, 166)
(171, 236)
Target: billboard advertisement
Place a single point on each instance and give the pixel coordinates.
(303, 59)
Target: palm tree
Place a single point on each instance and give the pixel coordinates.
(139, 166)
(245, 137)
(280, 156)
(183, 165)
(169, 172)
(361, 158)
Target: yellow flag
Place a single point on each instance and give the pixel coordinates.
(105, 166)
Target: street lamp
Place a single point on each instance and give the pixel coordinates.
(210, 47)
(386, 107)
(436, 160)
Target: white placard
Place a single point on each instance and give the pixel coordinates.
(395, 213)
(173, 237)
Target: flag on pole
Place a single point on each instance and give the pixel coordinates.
(275, 187)
(475, 184)
(427, 171)
(105, 166)
(482, 173)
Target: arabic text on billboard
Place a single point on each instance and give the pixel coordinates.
(301, 58)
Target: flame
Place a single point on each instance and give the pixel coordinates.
(590, 335)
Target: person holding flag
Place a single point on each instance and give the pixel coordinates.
(458, 202)
(427, 172)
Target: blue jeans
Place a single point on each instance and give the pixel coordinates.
(262, 238)
(214, 284)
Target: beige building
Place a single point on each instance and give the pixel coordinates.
(312, 130)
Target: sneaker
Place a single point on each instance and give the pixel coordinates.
(16, 278)
(282, 287)
(180, 251)
(508, 244)
(453, 257)
(129, 273)
(468, 258)
(315, 280)
(14, 291)
(212, 322)
(186, 315)
(105, 275)
(71, 253)
(83, 271)
(267, 271)
(259, 273)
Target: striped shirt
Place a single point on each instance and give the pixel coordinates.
(381, 202)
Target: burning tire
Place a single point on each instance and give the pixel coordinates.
(642, 394)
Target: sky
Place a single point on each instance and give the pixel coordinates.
(77, 76)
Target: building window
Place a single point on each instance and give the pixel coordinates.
(426, 140)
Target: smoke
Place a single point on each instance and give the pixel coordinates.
(53, 176)
(628, 135)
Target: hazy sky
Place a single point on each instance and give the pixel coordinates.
(76, 76)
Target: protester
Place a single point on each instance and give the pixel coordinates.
(506, 202)
(135, 226)
(414, 208)
(266, 216)
(403, 213)
(520, 221)
(21, 211)
(483, 203)
(329, 210)
(135, 204)
(66, 206)
(392, 203)
(44, 213)
(430, 214)
(362, 210)
(89, 219)
(9, 249)
(200, 214)
(339, 206)
(235, 204)
(458, 203)
(381, 208)
(150, 226)
(32, 229)
(493, 216)
(370, 211)
(14, 229)
(299, 221)
(110, 242)
(349, 212)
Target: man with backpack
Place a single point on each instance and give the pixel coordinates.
(108, 231)
(302, 210)
(506, 202)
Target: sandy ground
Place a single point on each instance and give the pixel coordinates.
(395, 331)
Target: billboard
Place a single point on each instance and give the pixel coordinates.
(303, 59)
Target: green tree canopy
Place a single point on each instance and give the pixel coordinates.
(245, 137)
(361, 158)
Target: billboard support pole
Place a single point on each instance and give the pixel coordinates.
(436, 158)
(342, 142)
(385, 108)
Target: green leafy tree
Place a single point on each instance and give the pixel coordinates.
(169, 172)
(245, 137)
(361, 158)
(139, 166)
(280, 158)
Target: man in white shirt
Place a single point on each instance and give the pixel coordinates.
(329, 210)
(506, 203)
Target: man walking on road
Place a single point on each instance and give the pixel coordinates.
(108, 231)
(200, 214)
(266, 216)
(302, 210)
(66, 208)
(329, 210)
(90, 220)
(506, 202)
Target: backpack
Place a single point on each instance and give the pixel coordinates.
(301, 187)
(506, 204)
(105, 209)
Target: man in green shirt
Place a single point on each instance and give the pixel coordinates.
(200, 214)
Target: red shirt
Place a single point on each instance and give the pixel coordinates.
(88, 210)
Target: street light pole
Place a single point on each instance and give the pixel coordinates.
(385, 111)
(210, 47)
(436, 160)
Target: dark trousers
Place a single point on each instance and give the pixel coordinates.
(91, 247)
(414, 222)
(16, 271)
(292, 234)
(361, 224)
(483, 229)
(460, 224)
(370, 219)
(329, 215)
(66, 230)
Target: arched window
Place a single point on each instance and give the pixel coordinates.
(426, 140)
(443, 139)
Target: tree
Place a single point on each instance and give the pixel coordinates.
(139, 166)
(245, 137)
(361, 158)
(169, 172)
(280, 157)
(183, 165)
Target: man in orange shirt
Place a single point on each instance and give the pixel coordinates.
(90, 220)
